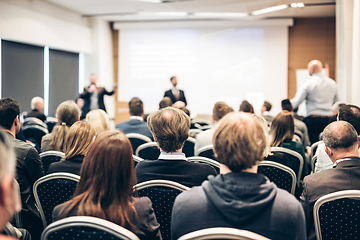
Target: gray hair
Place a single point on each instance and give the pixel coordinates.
(7, 156)
(340, 135)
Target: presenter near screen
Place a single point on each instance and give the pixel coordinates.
(174, 93)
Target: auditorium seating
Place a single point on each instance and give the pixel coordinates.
(206, 151)
(209, 161)
(188, 147)
(50, 157)
(34, 129)
(313, 148)
(148, 151)
(137, 159)
(137, 139)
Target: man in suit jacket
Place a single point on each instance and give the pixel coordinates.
(170, 127)
(94, 96)
(37, 109)
(136, 123)
(341, 145)
(175, 94)
(265, 112)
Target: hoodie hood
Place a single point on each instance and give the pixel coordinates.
(240, 196)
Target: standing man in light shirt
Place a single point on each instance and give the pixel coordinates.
(174, 93)
(320, 93)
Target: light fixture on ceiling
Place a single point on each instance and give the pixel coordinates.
(220, 14)
(297, 5)
(270, 9)
(165, 14)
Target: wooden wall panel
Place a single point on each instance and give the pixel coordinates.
(310, 38)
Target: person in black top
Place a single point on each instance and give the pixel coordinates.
(78, 141)
(37, 109)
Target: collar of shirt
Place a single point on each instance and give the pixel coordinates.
(339, 161)
(172, 156)
(137, 118)
(175, 91)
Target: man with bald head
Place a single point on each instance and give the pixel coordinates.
(341, 145)
(37, 109)
(320, 93)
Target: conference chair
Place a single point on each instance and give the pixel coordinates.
(313, 163)
(337, 215)
(222, 233)
(137, 160)
(199, 123)
(83, 227)
(283, 176)
(137, 139)
(148, 151)
(52, 190)
(198, 159)
(50, 157)
(194, 132)
(299, 135)
(314, 147)
(188, 147)
(51, 123)
(162, 194)
(206, 151)
(34, 129)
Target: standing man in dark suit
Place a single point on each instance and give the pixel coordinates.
(341, 145)
(174, 93)
(94, 96)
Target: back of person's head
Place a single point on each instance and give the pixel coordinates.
(239, 141)
(267, 106)
(136, 107)
(282, 128)
(185, 110)
(165, 102)
(37, 103)
(99, 120)
(286, 105)
(245, 106)
(106, 183)
(170, 128)
(351, 114)
(336, 106)
(67, 114)
(9, 110)
(79, 139)
(340, 135)
(220, 109)
(265, 127)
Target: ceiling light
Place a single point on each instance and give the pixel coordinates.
(167, 14)
(270, 9)
(220, 14)
(299, 5)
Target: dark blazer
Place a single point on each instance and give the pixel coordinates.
(35, 113)
(135, 126)
(86, 95)
(71, 165)
(182, 98)
(181, 171)
(346, 176)
(146, 223)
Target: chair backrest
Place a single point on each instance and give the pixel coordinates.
(188, 147)
(337, 215)
(137, 139)
(148, 151)
(283, 176)
(206, 151)
(313, 148)
(137, 160)
(52, 190)
(209, 161)
(222, 233)
(313, 162)
(288, 158)
(50, 157)
(194, 132)
(162, 194)
(34, 128)
(51, 123)
(82, 227)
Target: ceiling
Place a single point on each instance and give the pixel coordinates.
(137, 10)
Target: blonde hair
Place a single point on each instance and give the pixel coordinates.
(282, 128)
(265, 127)
(99, 120)
(79, 139)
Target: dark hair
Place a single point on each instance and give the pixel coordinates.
(282, 128)
(106, 183)
(136, 107)
(220, 109)
(351, 114)
(245, 106)
(286, 105)
(9, 110)
(267, 105)
(172, 78)
(339, 135)
(170, 127)
(165, 102)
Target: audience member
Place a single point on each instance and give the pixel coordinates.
(348, 113)
(9, 200)
(282, 134)
(105, 189)
(245, 106)
(78, 141)
(320, 93)
(341, 145)
(67, 114)
(299, 125)
(80, 102)
(165, 102)
(174, 93)
(239, 197)
(204, 139)
(170, 127)
(265, 112)
(28, 166)
(99, 119)
(37, 109)
(335, 109)
(136, 123)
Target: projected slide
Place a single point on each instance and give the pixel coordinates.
(210, 64)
